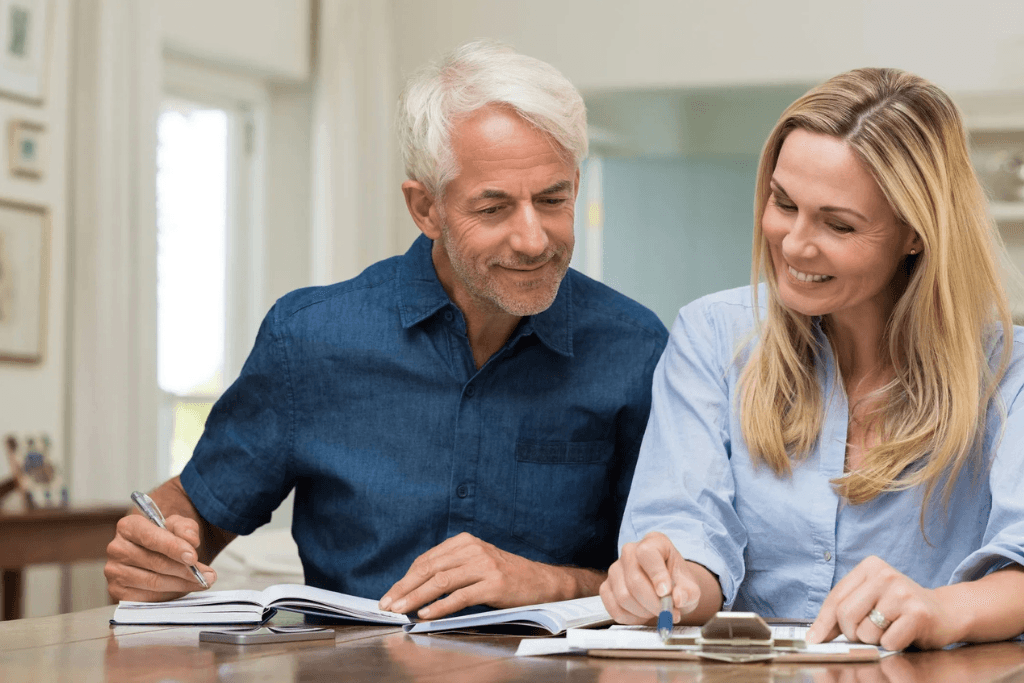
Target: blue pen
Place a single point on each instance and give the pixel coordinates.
(152, 512)
(665, 618)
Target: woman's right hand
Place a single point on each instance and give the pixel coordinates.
(650, 569)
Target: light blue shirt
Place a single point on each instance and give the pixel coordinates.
(779, 544)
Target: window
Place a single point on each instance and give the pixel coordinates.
(207, 263)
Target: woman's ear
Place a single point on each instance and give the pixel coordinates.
(422, 207)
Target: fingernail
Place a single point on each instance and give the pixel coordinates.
(399, 606)
(210, 577)
(384, 602)
(188, 558)
(424, 613)
(663, 589)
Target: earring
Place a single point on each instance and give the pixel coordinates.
(913, 251)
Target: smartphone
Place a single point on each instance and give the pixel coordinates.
(266, 634)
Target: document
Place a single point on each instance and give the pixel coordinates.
(254, 607)
(644, 642)
(553, 617)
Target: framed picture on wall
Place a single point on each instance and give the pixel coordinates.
(25, 149)
(23, 48)
(24, 274)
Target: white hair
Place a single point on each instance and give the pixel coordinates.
(475, 75)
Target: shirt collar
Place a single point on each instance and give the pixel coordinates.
(421, 295)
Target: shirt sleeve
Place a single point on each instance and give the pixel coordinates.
(1004, 534)
(683, 485)
(239, 472)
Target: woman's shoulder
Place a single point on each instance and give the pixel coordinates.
(721, 319)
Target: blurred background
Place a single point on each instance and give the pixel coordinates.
(196, 159)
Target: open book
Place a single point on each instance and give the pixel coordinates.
(554, 617)
(252, 607)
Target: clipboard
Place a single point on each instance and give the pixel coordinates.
(741, 638)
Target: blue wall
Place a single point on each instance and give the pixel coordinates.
(677, 228)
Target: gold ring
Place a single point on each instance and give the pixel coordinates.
(878, 619)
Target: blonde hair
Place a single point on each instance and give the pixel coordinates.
(931, 417)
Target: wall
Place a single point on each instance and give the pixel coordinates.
(645, 44)
(32, 397)
(264, 37)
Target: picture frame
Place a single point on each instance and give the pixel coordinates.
(24, 48)
(26, 151)
(24, 277)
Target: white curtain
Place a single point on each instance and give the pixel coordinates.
(115, 86)
(354, 183)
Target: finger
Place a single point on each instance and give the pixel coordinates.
(140, 531)
(184, 527)
(686, 594)
(852, 613)
(633, 589)
(131, 582)
(651, 580)
(123, 552)
(441, 583)
(473, 594)
(611, 597)
(422, 571)
(826, 624)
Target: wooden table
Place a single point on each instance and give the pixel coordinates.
(82, 646)
(51, 536)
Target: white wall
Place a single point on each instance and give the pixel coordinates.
(269, 37)
(611, 44)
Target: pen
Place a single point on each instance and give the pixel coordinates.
(665, 618)
(152, 512)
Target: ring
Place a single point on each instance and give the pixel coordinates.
(878, 619)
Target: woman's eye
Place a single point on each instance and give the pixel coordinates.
(783, 206)
(839, 227)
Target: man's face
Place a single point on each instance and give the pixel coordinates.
(507, 218)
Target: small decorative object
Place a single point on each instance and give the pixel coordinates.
(24, 259)
(38, 479)
(23, 48)
(26, 153)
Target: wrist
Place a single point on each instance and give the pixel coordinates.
(957, 614)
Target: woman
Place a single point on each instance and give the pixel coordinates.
(844, 441)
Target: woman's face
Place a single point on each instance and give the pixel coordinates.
(834, 240)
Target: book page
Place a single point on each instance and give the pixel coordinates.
(553, 616)
(293, 595)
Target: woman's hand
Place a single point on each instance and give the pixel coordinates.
(915, 615)
(650, 569)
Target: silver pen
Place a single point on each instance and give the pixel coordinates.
(152, 512)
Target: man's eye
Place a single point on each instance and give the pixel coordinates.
(490, 210)
(554, 201)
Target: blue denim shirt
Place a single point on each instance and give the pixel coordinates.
(779, 544)
(363, 396)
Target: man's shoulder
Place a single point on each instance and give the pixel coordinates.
(373, 285)
(597, 303)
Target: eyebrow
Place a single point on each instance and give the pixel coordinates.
(560, 186)
(829, 209)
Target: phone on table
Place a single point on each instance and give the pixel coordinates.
(266, 634)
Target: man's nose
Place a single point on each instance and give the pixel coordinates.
(528, 234)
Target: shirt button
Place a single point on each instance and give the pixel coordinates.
(462, 491)
(828, 556)
(470, 390)
(448, 316)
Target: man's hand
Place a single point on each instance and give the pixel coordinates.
(650, 569)
(916, 615)
(474, 572)
(147, 563)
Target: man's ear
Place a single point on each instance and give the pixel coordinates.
(422, 208)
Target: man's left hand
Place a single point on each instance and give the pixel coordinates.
(473, 572)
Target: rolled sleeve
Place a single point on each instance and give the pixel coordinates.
(1004, 534)
(239, 473)
(683, 486)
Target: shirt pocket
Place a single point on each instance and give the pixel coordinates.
(559, 490)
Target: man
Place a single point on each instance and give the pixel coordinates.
(460, 423)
